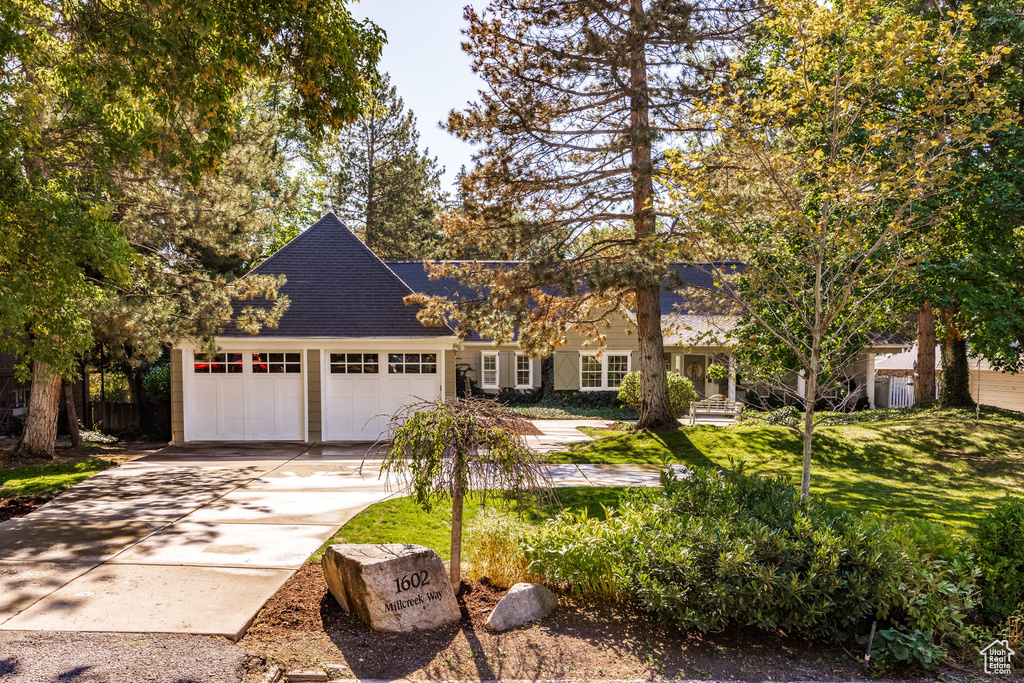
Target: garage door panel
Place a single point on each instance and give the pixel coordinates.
(238, 403)
(230, 407)
(359, 407)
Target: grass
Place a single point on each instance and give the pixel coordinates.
(401, 520)
(46, 481)
(934, 466)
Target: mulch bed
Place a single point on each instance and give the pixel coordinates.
(303, 627)
(18, 507)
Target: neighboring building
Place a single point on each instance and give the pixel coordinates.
(13, 395)
(999, 389)
(897, 374)
(348, 351)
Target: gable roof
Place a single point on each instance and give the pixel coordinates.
(337, 287)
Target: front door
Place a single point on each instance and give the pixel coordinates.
(695, 369)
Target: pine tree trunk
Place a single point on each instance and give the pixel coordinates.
(655, 410)
(455, 567)
(956, 379)
(924, 387)
(39, 439)
(72, 413)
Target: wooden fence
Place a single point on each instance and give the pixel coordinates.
(115, 418)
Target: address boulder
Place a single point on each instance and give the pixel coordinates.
(391, 587)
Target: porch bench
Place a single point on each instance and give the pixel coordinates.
(715, 405)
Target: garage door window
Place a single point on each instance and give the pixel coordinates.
(218, 364)
(274, 363)
(355, 364)
(412, 363)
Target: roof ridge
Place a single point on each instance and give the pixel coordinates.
(292, 241)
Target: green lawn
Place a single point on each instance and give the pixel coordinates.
(47, 481)
(401, 520)
(933, 466)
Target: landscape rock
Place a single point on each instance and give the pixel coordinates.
(524, 602)
(391, 587)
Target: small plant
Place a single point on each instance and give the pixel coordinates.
(1000, 550)
(497, 541)
(680, 392)
(899, 649)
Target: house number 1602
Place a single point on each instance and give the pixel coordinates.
(414, 580)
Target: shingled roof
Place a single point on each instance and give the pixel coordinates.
(337, 287)
(673, 301)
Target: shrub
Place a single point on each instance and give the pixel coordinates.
(936, 585)
(157, 384)
(713, 549)
(497, 542)
(898, 648)
(680, 392)
(1000, 550)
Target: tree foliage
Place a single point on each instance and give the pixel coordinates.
(852, 117)
(581, 97)
(87, 88)
(445, 450)
(380, 184)
(974, 272)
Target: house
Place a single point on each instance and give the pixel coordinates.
(13, 395)
(898, 372)
(349, 350)
(992, 387)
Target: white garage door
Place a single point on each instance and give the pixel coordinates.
(248, 396)
(362, 389)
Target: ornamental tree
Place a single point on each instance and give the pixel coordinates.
(580, 99)
(444, 450)
(849, 118)
(89, 86)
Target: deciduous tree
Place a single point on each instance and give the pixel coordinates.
(853, 117)
(86, 86)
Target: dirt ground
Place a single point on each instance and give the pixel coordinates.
(302, 627)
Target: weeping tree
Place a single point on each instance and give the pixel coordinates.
(580, 98)
(852, 118)
(442, 451)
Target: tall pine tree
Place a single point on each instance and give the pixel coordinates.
(581, 99)
(380, 184)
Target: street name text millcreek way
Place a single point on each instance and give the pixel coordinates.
(398, 605)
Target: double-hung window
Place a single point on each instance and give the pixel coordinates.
(605, 372)
(524, 371)
(489, 370)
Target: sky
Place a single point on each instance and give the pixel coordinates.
(427, 66)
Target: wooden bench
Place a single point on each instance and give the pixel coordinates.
(715, 405)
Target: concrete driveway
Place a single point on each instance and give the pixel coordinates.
(196, 537)
(192, 539)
